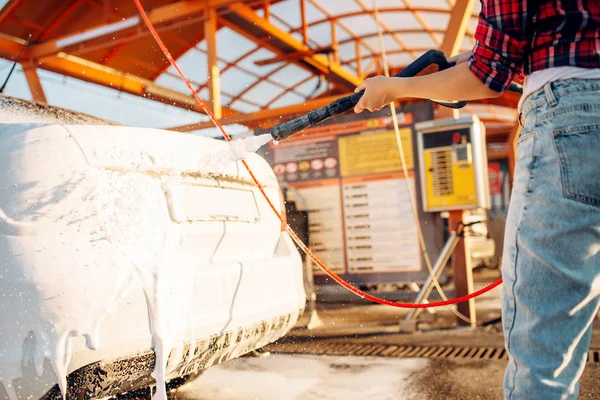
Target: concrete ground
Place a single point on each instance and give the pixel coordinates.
(302, 377)
(298, 368)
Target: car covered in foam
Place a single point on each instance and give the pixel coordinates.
(131, 257)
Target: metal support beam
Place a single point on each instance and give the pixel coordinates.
(423, 23)
(470, 32)
(50, 29)
(345, 27)
(109, 77)
(8, 10)
(334, 42)
(10, 46)
(358, 57)
(107, 11)
(33, 81)
(164, 16)
(214, 87)
(92, 72)
(262, 115)
(245, 21)
(463, 274)
(457, 27)
(293, 56)
(303, 19)
(387, 31)
(380, 11)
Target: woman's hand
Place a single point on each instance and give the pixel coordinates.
(451, 84)
(379, 92)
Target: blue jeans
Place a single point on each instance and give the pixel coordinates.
(551, 261)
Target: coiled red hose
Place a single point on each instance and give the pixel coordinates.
(293, 235)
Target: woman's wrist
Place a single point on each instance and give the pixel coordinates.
(399, 88)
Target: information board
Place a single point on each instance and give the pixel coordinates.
(348, 175)
(373, 153)
(381, 235)
(307, 160)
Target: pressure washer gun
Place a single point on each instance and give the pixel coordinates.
(430, 62)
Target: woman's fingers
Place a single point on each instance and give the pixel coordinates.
(375, 95)
(360, 106)
(360, 87)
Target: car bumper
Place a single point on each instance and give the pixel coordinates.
(210, 314)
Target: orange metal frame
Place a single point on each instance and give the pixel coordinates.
(269, 31)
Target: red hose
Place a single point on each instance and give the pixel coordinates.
(288, 229)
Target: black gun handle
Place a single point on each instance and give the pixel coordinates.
(314, 117)
(345, 104)
(340, 106)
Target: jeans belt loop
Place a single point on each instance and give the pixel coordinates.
(521, 120)
(550, 95)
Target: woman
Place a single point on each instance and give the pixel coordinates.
(551, 266)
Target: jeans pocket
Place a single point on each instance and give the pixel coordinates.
(525, 135)
(578, 149)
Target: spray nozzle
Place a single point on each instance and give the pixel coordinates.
(240, 149)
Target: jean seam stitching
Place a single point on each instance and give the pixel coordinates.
(535, 102)
(575, 129)
(567, 110)
(522, 214)
(514, 317)
(526, 136)
(514, 297)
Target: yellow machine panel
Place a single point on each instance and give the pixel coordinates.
(453, 164)
(448, 184)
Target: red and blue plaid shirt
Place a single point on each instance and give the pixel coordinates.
(516, 37)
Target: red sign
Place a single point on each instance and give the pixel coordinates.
(495, 178)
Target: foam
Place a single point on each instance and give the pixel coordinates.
(241, 148)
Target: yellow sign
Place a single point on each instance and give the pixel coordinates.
(448, 183)
(374, 153)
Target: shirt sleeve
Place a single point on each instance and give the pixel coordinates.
(500, 42)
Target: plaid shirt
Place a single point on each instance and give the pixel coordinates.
(516, 37)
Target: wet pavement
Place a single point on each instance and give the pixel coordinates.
(285, 377)
(314, 363)
(300, 377)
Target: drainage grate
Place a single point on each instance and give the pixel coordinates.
(390, 350)
(404, 351)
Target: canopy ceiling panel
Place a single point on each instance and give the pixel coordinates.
(270, 53)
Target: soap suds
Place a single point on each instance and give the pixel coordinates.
(114, 225)
(15, 110)
(119, 215)
(242, 148)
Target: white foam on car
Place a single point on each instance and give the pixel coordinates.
(112, 223)
(126, 220)
(241, 148)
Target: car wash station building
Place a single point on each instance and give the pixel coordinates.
(141, 254)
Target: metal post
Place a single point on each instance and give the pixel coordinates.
(311, 294)
(214, 75)
(409, 321)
